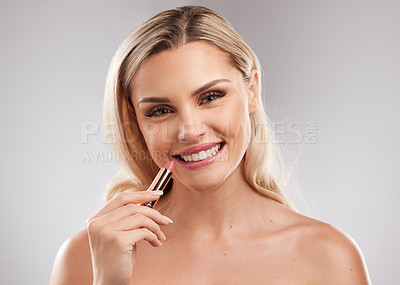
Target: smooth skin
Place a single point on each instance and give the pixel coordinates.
(223, 232)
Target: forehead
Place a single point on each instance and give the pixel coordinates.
(183, 68)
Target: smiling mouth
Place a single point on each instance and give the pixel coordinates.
(201, 155)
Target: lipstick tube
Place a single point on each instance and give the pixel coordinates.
(160, 181)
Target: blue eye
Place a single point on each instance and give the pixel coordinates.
(158, 111)
(211, 96)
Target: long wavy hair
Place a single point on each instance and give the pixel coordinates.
(264, 168)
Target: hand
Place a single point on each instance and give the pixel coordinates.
(115, 230)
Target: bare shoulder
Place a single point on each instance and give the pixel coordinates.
(73, 264)
(331, 255)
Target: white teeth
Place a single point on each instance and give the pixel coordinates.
(195, 157)
(202, 154)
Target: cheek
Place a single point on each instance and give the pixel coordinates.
(237, 121)
(150, 133)
(163, 132)
(158, 140)
(157, 149)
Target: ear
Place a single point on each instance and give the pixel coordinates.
(254, 91)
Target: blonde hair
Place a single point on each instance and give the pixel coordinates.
(168, 30)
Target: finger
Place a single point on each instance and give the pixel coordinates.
(98, 231)
(132, 209)
(124, 198)
(139, 221)
(137, 235)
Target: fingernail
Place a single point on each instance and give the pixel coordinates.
(163, 236)
(168, 219)
(157, 193)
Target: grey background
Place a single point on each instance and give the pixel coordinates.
(332, 65)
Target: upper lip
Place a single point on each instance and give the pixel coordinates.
(197, 148)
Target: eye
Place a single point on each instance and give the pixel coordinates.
(159, 111)
(211, 96)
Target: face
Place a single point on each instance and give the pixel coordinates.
(193, 107)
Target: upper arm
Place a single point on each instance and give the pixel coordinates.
(73, 264)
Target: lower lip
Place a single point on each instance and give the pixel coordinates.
(201, 163)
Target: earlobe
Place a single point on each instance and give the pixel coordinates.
(254, 91)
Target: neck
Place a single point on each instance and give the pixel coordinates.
(214, 212)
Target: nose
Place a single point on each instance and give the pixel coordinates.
(191, 127)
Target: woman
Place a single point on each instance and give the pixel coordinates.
(184, 83)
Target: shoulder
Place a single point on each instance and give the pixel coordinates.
(331, 255)
(73, 264)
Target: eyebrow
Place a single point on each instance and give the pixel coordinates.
(208, 85)
(194, 93)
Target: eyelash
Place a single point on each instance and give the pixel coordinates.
(161, 108)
